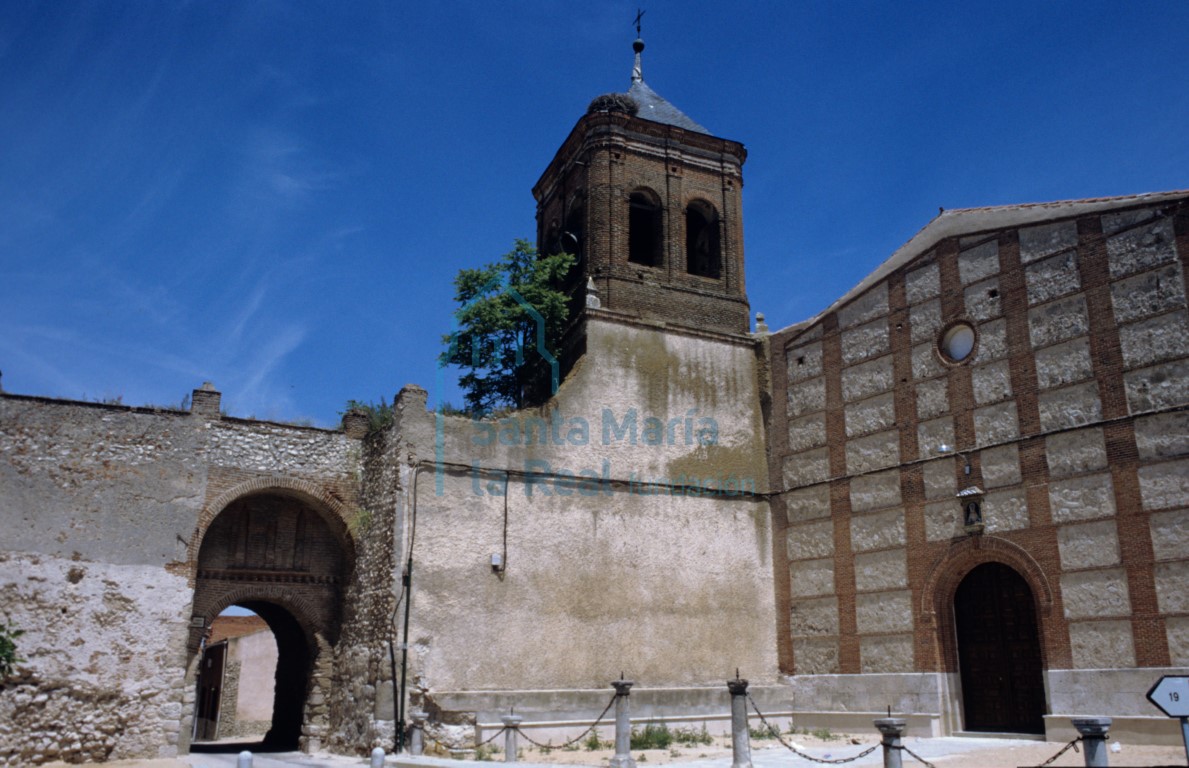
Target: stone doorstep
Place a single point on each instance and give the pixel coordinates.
(1149, 731)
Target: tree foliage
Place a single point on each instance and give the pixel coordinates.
(510, 318)
(8, 647)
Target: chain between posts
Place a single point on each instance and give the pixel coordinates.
(448, 748)
(776, 732)
(577, 738)
(915, 756)
(1066, 748)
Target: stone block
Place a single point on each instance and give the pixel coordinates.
(1046, 239)
(940, 480)
(877, 531)
(811, 578)
(1164, 485)
(1113, 223)
(807, 503)
(806, 468)
(1155, 339)
(807, 432)
(991, 383)
(872, 304)
(933, 434)
(1095, 594)
(1161, 386)
(1058, 321)
(877, 612)
(1064, 364)
(1162, 435)
(932, 398)
(996, 423)
(865, 454)
(976, 263)
(1102, 644)
(805, 361)
(811, 540)
(1141, 248)
(1005, 510)
(992, 341)
(1172, 596)
(886, 653)
(815, 656)
(1072, 453)
(1088, 545)
(1082, 498)
(871, 415)
(922, 283)
(1150, 293)
(866, 379)
(1170, 534)
(886, 569)
(924, 320)
(880, 489)
(865, 341)
(814, 618)
(1052, 277)
(982, 300)
(1001, 466)
(925, 363)
(1069, 407)
(943, 520)
(1177, 630)
(807, 397)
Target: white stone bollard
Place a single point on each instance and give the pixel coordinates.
(740, 733)
(377, 758)
(510, 747)
(623, 725)
(892, 729)
(1093, 731)
(244, 760)
(417, 737)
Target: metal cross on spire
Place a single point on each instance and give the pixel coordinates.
(639, 15)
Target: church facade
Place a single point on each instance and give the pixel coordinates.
(961, 492)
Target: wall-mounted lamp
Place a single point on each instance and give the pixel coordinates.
(946, 448)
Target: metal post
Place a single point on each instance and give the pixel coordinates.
(1093, 731)
(623, 725)
(510, 724)
(244, 760)
(892, 729)
(377, 760)
(417, 737)
(1185, 736)
(740, 733)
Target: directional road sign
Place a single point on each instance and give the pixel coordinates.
(1171, 695)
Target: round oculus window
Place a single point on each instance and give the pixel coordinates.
(957, 342)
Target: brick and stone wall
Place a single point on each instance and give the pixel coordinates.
(1071, 412)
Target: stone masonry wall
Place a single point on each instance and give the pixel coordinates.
(100, 507)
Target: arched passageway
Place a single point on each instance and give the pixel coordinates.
(999, 654)
(276, 554)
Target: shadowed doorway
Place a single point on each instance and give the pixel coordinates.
(999, 652)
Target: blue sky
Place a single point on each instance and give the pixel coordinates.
(276, 196)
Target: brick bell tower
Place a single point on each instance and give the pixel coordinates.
(649, 202)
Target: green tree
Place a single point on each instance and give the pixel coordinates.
(511, 315)
(8, 647)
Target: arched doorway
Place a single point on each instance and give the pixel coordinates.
(999, 655)
(278, 554)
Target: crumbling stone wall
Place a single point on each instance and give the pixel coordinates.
(103, 508)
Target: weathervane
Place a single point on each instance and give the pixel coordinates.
(639, 15)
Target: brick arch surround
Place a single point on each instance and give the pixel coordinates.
(332, 509)
(947, 572)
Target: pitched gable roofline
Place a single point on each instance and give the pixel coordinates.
(962, 222)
